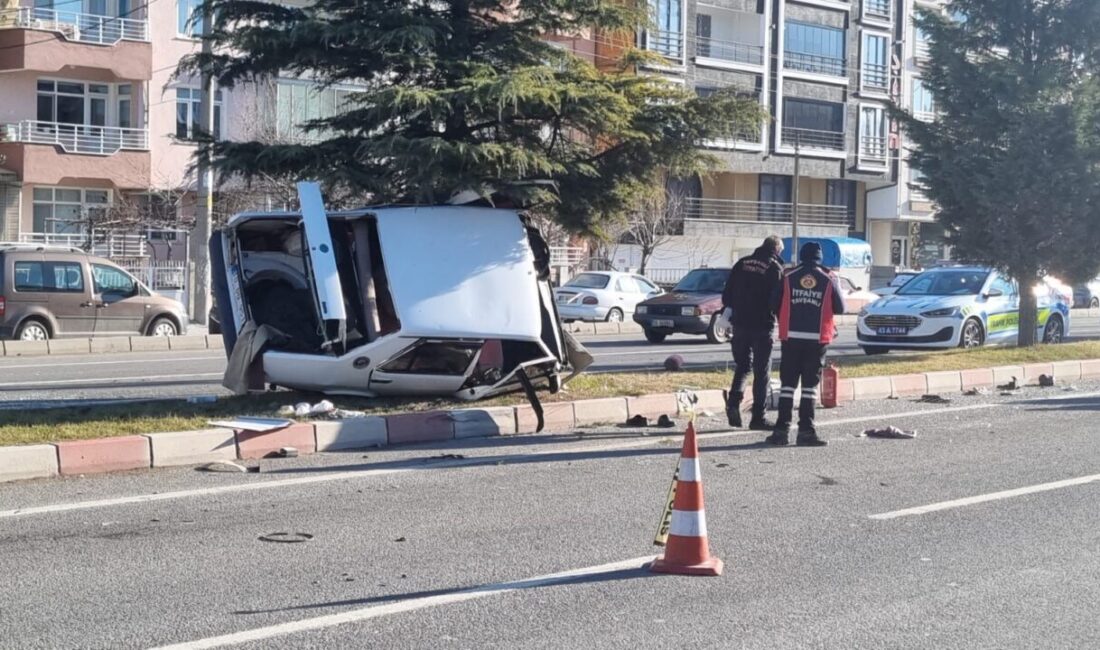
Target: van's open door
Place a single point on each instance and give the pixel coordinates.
(324, 277)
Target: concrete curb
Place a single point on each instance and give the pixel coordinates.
(108, 344)
(193, 447)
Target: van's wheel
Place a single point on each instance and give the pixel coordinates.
(716, 333)
(654, 336)
(33, 330)
(615, 315)
(1055, 331)
(972, 335)
(163, 327)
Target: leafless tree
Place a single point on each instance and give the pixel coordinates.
(659, 216)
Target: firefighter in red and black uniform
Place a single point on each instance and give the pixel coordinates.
(807, 302)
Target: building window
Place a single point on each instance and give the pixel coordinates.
(733, 36)
(86, 104)
(872, 134)
(813, 124)
(668, 36)
(917, 191)
(924, 105)
(125, 105)
(188, 107)
(921, 47)
(842, 194)
(876, 62)
(185, 9)
(814, 48)
(877, 9)
(62, 210)
(775, 198)
(298, 103)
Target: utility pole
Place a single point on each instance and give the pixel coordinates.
(205, 179)
(794, 196)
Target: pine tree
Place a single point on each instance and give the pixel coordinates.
(1012, 160)
(468, 95)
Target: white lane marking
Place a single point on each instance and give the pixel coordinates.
(985, 498)
(109, 380)
(368, 473)
(642, 353)
(402, 606)
(110, 363)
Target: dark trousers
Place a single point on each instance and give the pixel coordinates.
(801, 361)
(751, 350)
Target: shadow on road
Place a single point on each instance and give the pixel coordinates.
(594, 578)
(1073, 404)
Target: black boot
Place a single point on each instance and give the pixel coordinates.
(807, 437)
(760, 423)
(733, 410)
(779, 437)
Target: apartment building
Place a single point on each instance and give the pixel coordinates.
(92, 117)
(825, 71)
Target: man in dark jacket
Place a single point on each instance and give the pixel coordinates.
(748, 302)
(807, 302)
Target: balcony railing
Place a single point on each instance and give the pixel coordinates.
(922, 50)
(876, 77)
(877, 9)
(567, 256)
(77, 138)
(925, 116)
(670, 44)
(111, 245)
(765, 212)
(729, 51)
(873, 149)
(813, 139)
(815, 64)
(83, 28)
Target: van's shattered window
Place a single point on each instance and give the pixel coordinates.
(434, 358)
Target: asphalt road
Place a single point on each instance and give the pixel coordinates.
(30, 382)
(864, 544)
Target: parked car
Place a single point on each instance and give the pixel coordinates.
(692, 307)
(898, 282)
(1087, 295)
(349, 303)
(603, 296)
(57, 292)
(958, 307)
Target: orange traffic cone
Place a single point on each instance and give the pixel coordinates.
(687, 551)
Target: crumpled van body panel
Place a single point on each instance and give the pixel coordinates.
(437, 301)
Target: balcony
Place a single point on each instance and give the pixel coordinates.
(876, 77)
(815, 64)
(924, 115)
(877, 9)
(78, 138)
(922, 51)
(874, 150)
(743, 53)
(813, 139)
(79, 27)
(665, 43)
(728, 210)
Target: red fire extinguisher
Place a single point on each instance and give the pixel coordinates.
(829, 382)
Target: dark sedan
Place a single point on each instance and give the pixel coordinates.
(692, 307)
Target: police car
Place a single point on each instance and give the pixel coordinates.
(958, 307)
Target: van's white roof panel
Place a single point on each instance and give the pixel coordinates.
(460, 272)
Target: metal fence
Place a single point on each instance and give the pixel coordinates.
(765, 212)
(171, 278)
(729, 51)
(85, 28)
(78, 138)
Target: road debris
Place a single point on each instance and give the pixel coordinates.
(976, 391)
(638, 421)
(1012, 385)
(286, 538)
(933, 399)
(288, 452)
(226, 466)
(448, 457)
(891, 432)
(665, 422)
(401, 539)
(1046, 381)
(258, 425)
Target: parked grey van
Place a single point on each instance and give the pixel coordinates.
(61, 292)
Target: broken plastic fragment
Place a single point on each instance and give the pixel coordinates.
(891, 433)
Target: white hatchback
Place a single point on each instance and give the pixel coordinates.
(603, 296)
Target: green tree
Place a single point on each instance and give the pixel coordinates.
(467, 95)
(1012, 160)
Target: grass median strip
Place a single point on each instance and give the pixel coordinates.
(81, 423)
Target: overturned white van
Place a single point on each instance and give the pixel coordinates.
(442, 300)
